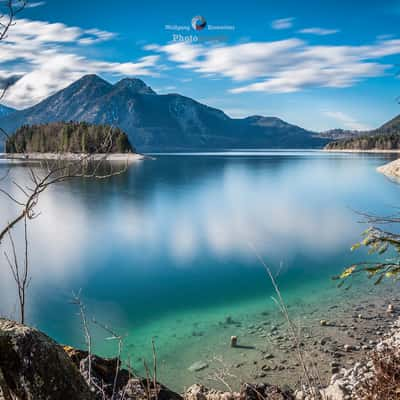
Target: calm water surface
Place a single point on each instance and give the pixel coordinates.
(165, 250)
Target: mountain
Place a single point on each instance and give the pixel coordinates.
(160, 122)
(387, 137)
(338, 134)
(4, 110)
(135, 86)
(68, 137)
(393, 126)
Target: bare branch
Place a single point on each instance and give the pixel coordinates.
(378, 219)
(76, 300)
(85, 167)
(20, 274)
(11, 9)
(119, 338)
(292, 327)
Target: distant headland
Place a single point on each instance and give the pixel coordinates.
(69, 140)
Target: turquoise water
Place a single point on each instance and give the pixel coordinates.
(165, 250)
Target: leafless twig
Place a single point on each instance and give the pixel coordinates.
(221, 373)
(119, 339)
(292, 327)
(9, 10)
(155, 384)
(76, 300)
(20, 274)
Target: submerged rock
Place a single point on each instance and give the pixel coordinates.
(198, 366)
(390, 308)
(268, 356)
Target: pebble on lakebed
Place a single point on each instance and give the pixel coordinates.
(335, 337)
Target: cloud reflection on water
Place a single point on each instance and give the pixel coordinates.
(183, 210)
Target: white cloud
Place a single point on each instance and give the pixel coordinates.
(284, 66)
(239, 62)
(47, 56)
(35, 4)
(95, 35)
(347, 121)
(60, 262)
(385, 37)
(318, 31)
(283, 23)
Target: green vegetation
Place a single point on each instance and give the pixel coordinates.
(378, 241)
(382, 141)
(68, 137)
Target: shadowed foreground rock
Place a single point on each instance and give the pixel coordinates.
(33, 366)
(127, 387)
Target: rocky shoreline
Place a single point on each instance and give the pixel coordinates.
(335, 335)
(391, 151)
(346, 384)
(33, 366)
(124, 157)
(27, 357)
(351, 366)
(392, 169)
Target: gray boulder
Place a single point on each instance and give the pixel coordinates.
(34, 367)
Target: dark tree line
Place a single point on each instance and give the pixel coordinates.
(387, 141)
(67, 137)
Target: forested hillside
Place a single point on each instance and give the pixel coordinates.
(388, 141)
(68, 137)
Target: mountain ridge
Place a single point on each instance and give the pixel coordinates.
(391, 125)
(159, 121)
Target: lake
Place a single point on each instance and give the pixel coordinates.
(167, 250)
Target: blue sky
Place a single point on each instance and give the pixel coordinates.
(318, 64)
